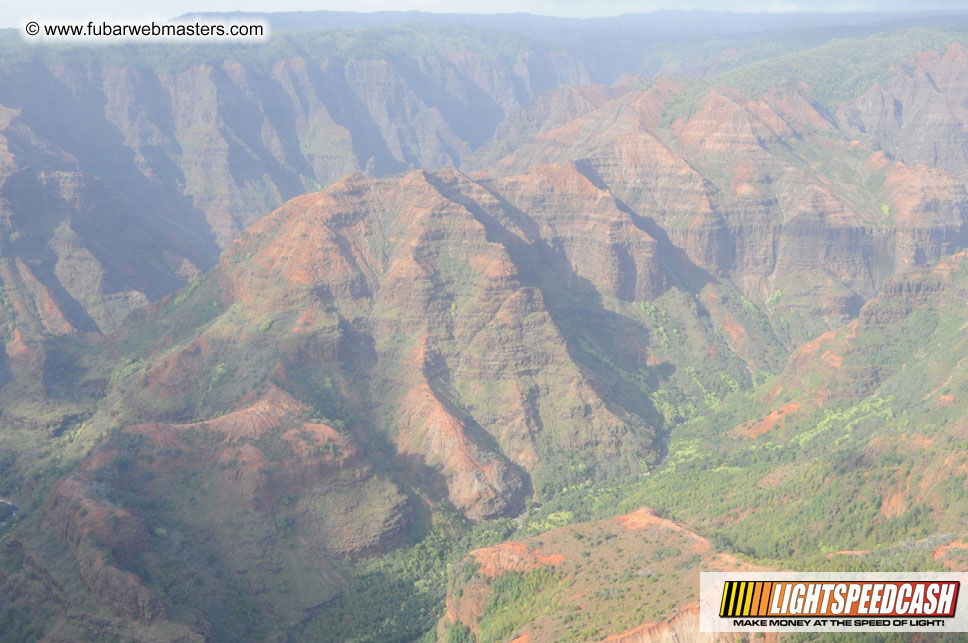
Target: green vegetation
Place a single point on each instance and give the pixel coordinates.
(399, 596)
(727, 487)
(860, 64)
(516, 598)
(819, 461)
(688, 403)
(8, 316)
(17, 624)
(6, 512)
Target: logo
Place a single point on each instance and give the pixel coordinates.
(789, 601)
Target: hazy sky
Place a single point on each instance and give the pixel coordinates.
(13, 13)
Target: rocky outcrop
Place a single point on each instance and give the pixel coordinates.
(440, 275)
(105, 241)
(438, 297)
(309, 461)
(903, 294)
(919, 115)
(847, 364)
(736, 185)
(479, 482)
(121, 181)
(684, 626)
(102, 538)
(267, 468)
(931, 211)
(570, 561)
(548, 110)
(34, 584)
(593, 231)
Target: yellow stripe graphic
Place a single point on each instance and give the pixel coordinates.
(746, 598)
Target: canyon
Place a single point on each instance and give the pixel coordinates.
(301, 340)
